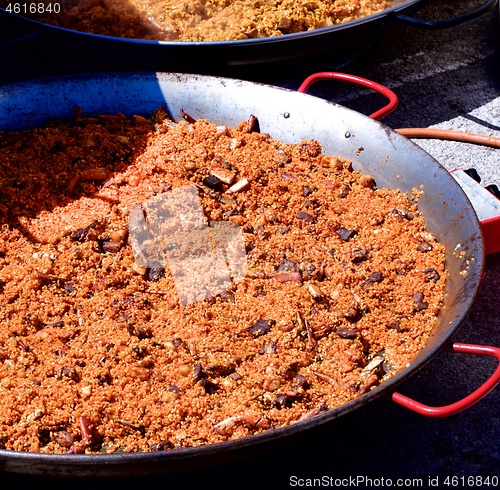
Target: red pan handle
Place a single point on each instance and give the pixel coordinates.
(466, 402)
(330, 75)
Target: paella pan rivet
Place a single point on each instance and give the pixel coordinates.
(286, 115)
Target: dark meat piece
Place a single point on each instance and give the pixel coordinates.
(346, 234)
(260, 327)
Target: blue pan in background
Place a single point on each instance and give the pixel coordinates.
(248, 59)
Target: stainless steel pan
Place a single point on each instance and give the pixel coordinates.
(392, 159)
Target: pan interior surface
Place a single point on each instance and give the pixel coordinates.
(391, 159)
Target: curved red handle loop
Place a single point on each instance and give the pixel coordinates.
(330, 75)
(466, 402)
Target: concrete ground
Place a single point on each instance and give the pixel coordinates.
(448, 78)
